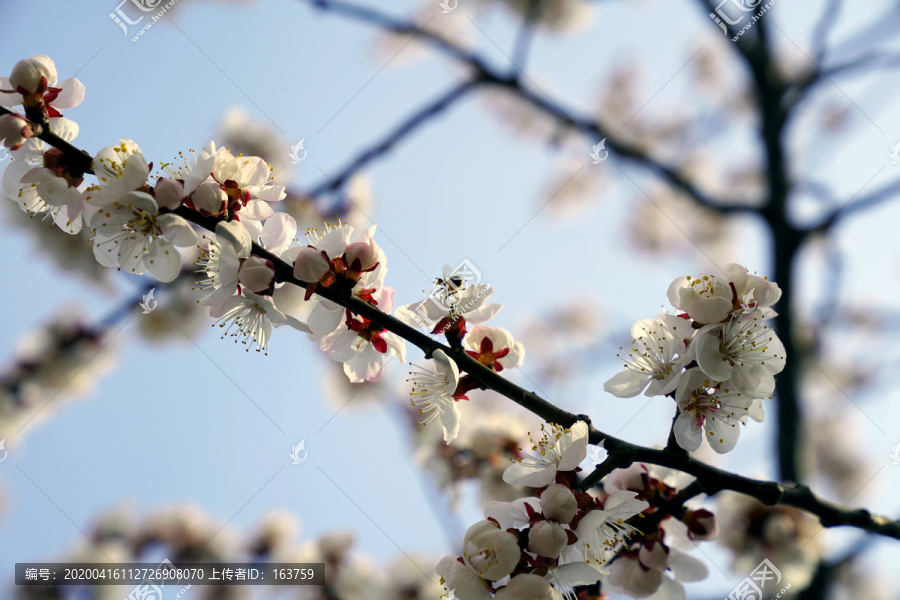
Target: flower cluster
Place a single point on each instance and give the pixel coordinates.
(715, 357)
(136, 223)
(451, 308)
(543, 547)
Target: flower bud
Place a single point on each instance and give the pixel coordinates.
(168, 193)
(364, 252)
(559, 503)
(209, 198)
(547, 539)
(526, 586)
(310, 266)
(256, 274)
(490, 551)
(14, 130)
(33, 74)
(701, 524)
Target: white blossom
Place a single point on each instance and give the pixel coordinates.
(655, 360)
(558, 449)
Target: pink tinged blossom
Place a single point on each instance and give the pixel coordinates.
(32, 84)
(547, 539)
(526, 586)
(494, 347)
(432, 393)
(628, 576)
(257, 274)
(361, 256)
(363, 346)
(559, 503)
(169, 193)
(701, 524)
(655, 359)
(14, 131)
(31, 75)
(490, 551)
(462, 580)
(517, 514)
(557, 449)
(209, 199)
(311, 265)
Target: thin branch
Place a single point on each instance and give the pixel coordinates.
(710, 479)
(873, 200)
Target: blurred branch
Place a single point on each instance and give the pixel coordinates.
(539, 100)
(873, 200)
(824, 27)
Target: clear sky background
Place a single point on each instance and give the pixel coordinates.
(165, 427)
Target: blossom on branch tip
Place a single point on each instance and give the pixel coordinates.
(451, 314)
(44, 182)
(433, 393)
(558, 449)
(14, 131)
(362, 344)
(32, 84)
(494, 347)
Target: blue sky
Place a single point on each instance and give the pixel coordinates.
(165, 427)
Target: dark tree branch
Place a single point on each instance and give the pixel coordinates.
(710, 479)
(539, 100)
